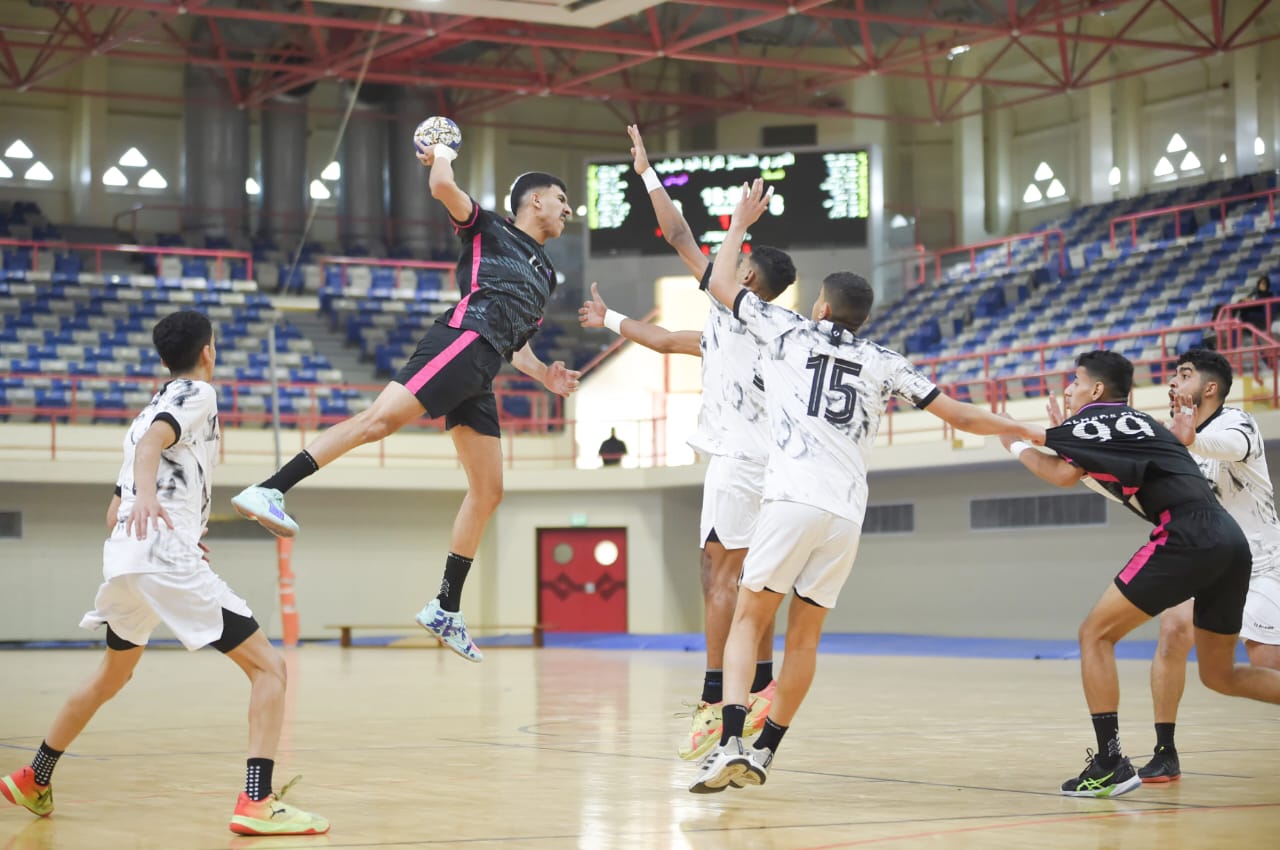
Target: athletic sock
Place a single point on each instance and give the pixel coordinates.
(1164, 736)
(257, 778)
(713, 686)
(45, 761)
(455, 574)
(1107, 729)
(301, 465)
(735, 719)
(770, 736)
(764, 675)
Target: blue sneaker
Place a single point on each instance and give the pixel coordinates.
(267, 507)
(450, 628)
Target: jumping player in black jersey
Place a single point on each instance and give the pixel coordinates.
(1196, 550)
(506, 279)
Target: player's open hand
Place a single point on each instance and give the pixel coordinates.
(1054, 411)
(753, 203)
(591, 313)
(147, 513)
(560, 380)
(637, 149)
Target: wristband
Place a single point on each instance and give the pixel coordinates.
(1187, 411)
(613, 321)
(1017, 447)
(444, 152)
(650, 178)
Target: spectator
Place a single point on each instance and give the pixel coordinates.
(612, 450)
(1257, 316)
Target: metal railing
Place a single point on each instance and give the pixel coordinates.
(218, 255)
(1176, 211)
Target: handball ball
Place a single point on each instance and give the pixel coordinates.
(436, 130)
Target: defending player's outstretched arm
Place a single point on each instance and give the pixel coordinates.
(443, 186)
(1045, 465)
(670, 220)
(723, 284)
(596, 314)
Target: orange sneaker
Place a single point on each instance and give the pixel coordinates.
(758, 709)
(20, 788)
(273, 816)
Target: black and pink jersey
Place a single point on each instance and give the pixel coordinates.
(505, 279)
(1133, 457)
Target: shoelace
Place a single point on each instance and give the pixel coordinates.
(279, 795)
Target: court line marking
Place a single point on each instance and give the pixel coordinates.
(862, 842)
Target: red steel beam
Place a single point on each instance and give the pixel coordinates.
(1110, 47)
(1236, 33)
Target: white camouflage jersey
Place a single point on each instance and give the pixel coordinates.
(1229, 451)
(184, 479)
(732, 421)
(827, 391)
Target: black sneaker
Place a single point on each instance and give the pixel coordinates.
(1163, 766)
(1098, 781)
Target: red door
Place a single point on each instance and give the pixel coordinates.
(582, 579)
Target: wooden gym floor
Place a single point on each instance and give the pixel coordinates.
(570, 748)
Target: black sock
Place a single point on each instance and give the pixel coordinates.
(302, 465)
(735, 719)
(1107, 728)
(45, 761)
(455, 573)
(764, 675)
(770, 736)
(257, 778)
(713, 686)
(1164, 737)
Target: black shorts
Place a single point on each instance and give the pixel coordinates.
(451, 374)
(1195, 551)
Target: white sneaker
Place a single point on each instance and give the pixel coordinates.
(757, 770)
(722, 766)
(267, 507)
(450, 628)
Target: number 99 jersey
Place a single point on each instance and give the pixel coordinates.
(826, 391)
(1136, 459)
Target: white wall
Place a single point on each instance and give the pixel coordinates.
(376, 554)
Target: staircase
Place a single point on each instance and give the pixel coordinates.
(333, 345)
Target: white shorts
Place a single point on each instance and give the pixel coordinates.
(801, 547)
(1262, 605)
(731, 495)
(190, 603)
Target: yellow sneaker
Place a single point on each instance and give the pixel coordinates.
(20, 788)
(758, 709)
(704, 731)
(272, 816)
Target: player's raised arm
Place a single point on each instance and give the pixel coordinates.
(596, 314)
(670, 221)
(439, 158)
(754, 201)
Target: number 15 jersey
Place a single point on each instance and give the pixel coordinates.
(826, 391)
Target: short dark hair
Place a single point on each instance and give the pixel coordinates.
(850, 297)
(1212, 365)
(180, 337)
(1111, 368)
(775, 268)
(530, 181)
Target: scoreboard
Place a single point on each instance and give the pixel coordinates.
(820, 199)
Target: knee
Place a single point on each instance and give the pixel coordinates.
(374, 426)
(106, 687)
(271, 669)
(1219, 678)
(488, 495)
(1176, 638)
